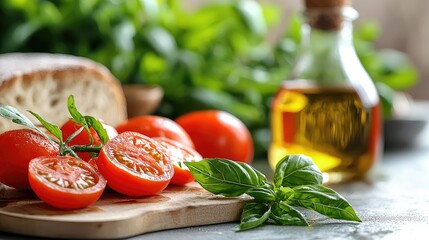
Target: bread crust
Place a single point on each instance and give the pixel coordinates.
(31, 67)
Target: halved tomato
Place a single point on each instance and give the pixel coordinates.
(179, 153)
(65, 182)
(93, 162)
(135, 165)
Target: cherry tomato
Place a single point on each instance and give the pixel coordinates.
(156, 126)
(17, 148)
(179, 153)
(82, 138)
(93, 162)
(135, 165)
(218, 134)
(65, 182)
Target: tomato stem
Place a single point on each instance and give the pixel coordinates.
(71, 150)
(86, 148)
(65, 150)
(72, 153)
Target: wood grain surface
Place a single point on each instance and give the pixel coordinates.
(117, 216)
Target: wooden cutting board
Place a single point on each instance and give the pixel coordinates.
(118, 216)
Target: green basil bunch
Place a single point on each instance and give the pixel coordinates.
(297, 184)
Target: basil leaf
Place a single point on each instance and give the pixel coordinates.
(324, 201)
(76, 115)
(283, 193)
(13, 114)
(262, 194)
(225, 177)
(98, 127)
(253, 215)
(55, 130)
(253, 173)
(285, 214)
(296, 170)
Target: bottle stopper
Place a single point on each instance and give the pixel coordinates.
(326, 14)
(326, 3)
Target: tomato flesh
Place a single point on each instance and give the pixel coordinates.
(17, 149)
(65, 182)
(156, 126)
(218, 134)
(135, 165)
(179, 153)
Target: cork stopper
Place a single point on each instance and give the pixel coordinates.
(326, 14)
(326, 3)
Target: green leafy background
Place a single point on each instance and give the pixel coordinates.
(216, 56)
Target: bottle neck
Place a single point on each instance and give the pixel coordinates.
(326, 46)
(317, 40)
(327, 55)
(329, 28)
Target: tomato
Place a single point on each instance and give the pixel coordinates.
(93, 162)
(156, 126)
(82, 138)
(17, 148)
(135, 165)
(218, 134)
(65, 182)
(179, 153)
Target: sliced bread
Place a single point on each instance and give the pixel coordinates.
(42, 82)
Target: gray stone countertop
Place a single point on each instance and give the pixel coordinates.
(393, 203)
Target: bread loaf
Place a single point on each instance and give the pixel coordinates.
(42, 83)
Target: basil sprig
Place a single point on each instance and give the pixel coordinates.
(15, 116)
(297, 184)
(86, 122)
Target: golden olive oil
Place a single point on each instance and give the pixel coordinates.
(331, 125)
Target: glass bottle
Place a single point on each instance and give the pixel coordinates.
(328, 108)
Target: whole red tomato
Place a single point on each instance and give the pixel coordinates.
(156, 126)
(17, 149)
(82, 138)
(218, 134)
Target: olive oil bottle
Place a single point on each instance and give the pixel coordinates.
(328, 108)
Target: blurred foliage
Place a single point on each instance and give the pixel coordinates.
(213, 57)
